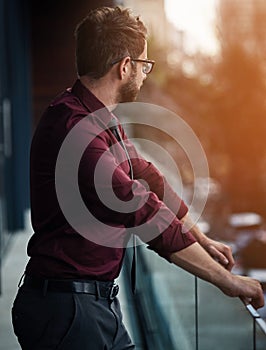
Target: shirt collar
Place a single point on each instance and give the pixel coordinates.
(91, 102)
(86, 97)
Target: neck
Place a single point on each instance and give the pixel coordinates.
(104, 89)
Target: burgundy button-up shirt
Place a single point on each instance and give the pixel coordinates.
(58, 249)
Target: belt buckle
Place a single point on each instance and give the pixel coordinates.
(113, 292)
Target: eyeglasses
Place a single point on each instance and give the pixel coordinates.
(147, 65)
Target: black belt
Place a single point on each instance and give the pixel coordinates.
(106, 290)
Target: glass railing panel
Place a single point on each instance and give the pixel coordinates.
(166, 299)
(223, 322)
(174, 310)
(260, 334)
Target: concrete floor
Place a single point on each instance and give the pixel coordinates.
(12, 269)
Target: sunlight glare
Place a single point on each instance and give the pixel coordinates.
(197, 20)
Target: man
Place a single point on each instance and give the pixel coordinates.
(68, 297)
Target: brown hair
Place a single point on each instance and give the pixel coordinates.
(105, 35)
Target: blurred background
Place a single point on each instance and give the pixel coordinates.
(210, 70)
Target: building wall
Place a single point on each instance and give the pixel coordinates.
(163, 34)
(15, 106)
(153, 14)
(53, 47)
(15, 119)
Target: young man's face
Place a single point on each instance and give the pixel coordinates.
(129, 91)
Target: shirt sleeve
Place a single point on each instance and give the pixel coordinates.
(118, 201)
(157, 183)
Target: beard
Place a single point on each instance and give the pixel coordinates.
(129, 91)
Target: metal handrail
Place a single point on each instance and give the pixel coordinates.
(155, 316)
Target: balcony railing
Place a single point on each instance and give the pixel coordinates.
(174, 310)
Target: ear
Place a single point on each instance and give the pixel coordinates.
(124, 68)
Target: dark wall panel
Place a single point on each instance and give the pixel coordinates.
(15, 103)
(53, 46)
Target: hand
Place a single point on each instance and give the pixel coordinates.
(247, 289)
(219, 252)
(197, 261)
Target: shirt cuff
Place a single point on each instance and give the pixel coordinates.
(173, 239)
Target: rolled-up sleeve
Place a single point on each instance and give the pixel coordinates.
(139, 210)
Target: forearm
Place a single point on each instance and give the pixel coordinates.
(218, 251)
(197, 261)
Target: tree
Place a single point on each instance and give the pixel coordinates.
(238, 105)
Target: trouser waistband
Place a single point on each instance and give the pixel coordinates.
(107, 290)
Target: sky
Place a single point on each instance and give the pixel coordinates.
(197, 19)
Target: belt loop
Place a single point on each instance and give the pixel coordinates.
(97, 290)
(45, 286)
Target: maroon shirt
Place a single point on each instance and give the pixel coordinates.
(56, 249)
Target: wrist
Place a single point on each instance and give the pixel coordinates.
(225, 281)
(201, 238)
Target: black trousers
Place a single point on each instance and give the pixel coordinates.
(68, 321)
